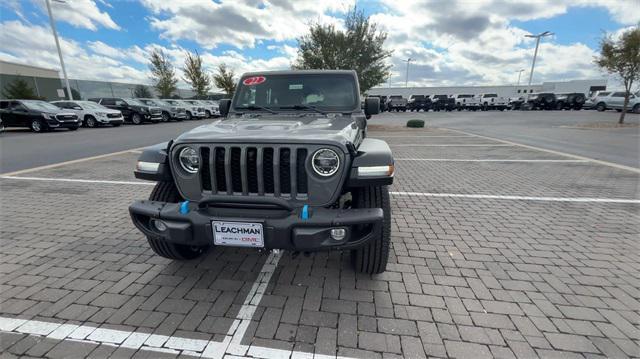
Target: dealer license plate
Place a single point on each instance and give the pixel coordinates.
(238, 234)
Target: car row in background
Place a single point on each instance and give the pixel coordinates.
(42, 116)
(601, 101)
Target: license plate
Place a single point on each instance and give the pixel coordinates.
(238, 234)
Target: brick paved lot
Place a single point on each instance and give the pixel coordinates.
(469, 277)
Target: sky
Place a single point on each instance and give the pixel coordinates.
(451, 42)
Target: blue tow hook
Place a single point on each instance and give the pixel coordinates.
(184, 207)
(305, 212)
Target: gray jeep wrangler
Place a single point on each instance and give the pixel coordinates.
(288, 166)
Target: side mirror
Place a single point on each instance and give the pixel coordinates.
(224, 106)
(371, 106)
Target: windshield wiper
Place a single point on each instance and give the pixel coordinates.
(255, 108)
(303, 107)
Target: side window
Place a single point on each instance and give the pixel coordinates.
(108, 102)
(618, 94)
(15, 105)
(4, 104)
(119, 102)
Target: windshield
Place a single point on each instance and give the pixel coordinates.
(91, 105)
(133, 101)
(41, 106)
(335, 92)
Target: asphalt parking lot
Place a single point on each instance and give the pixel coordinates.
(498, 250)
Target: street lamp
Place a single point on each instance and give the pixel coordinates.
(519, 73)
(535, 54)
(406, 79)
(55, 36)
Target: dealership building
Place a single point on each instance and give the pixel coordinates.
(48, 84)
(583, 86)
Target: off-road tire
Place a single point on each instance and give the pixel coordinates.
(166, 191)
(372, 257)
(601, 107)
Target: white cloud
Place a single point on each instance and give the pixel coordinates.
(239, 23)
(80, 13)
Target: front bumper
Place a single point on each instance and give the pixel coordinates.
(63, 124)
(283, 228)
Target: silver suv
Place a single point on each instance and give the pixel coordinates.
(615, 101)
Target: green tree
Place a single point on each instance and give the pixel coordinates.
(195, 75)
(19, 89)
(163, 74)
(224, 79)
(622, 58)
(142, 91)
(360, 47)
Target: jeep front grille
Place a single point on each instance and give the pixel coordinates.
(254, 170)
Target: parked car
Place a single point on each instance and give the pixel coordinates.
(215, 107)
(132, 110)
(465, 102)
(518, 103)
(591, 102)
(92, 114)
(169, 111)
(491, 101)
(38, 115)
(208, 109)
(570, 101)
(264, 181)
(615, 101)
(397, 103)
(542, 101)
(419, 102)
(193, 111)
(442, 103)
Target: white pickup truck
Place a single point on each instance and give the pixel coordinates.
(491, 101)
(465, 101)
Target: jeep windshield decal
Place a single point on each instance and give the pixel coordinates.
(297, 91)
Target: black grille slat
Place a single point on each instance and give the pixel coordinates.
(243, 171)
(205, 174)
(252, 169)
(285, 170)
(301, 172)
(268, 170)
(221, 176)
(236, 169)
(276, 172)
(227, 170)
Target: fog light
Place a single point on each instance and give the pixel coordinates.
(338, 234)
(159, 225)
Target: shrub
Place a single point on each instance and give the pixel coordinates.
(415, 123)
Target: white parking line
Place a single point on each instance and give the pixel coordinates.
(76, 180)
(605, 163)
(451, 145)
(59, 164)
(517, 198)
(487, 160)
(420, 194)
(230, 346)
(428, 136)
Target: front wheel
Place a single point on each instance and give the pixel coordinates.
(136, 119)
(189, 116)
(372, 258)
(166, 117)
(91, 122)
(636, 108)
(601, 107)
(37, 126)
(167, 192)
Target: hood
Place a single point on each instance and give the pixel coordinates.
(333, 128)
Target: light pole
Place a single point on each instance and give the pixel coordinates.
(55, 36)
(535, 53)
(406, 79)
(519, 73)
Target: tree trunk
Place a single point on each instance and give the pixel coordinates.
(624, 108)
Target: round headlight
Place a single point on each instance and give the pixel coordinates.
(325, 162)
(189, 160)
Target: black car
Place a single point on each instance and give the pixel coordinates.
(290, 167)
(38, 115)
(133, 110)
(443, 103)
(419, 102)
(542, 101)
(570, 101)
